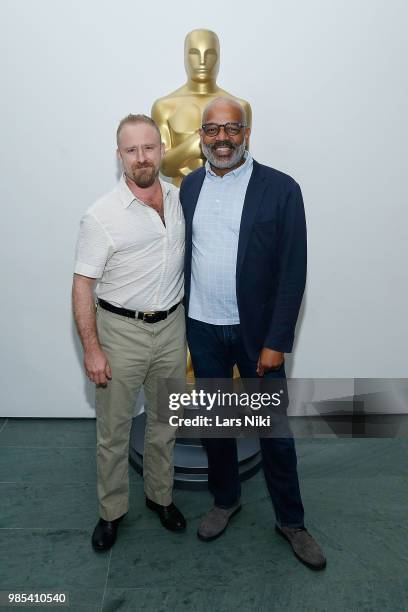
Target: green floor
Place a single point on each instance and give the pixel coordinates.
(355, 493)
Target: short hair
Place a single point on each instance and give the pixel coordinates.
(225, 100)
(137, 119)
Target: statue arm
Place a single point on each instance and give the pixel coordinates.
(179, 156)
(159, 118)
(176, 156)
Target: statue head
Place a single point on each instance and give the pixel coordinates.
(202, 55)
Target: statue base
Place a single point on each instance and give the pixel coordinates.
(190, 458)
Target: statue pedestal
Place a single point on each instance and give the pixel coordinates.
(190, 459)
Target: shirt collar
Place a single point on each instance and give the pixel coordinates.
(127, 197)
(247, 163)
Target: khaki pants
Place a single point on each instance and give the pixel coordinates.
(139, 354)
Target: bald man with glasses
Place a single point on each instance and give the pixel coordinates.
(245, 274)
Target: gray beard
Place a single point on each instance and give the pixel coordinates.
(228, 163)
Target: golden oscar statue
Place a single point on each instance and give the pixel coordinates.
(178, 114)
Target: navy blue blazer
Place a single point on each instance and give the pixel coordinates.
(271, 259)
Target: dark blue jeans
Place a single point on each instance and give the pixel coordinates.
(215, 349)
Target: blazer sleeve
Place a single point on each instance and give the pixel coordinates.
(292, 260)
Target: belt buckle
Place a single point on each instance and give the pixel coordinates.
(149, 313)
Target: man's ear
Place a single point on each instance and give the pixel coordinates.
(162, 149)
(118, 155)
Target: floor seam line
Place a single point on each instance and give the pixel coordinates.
(106, 581)
(43, 447)
(43, 528)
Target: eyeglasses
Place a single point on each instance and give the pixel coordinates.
(231, 129)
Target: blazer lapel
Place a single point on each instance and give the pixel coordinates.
(194, 192)
(190, 199)
(253, 198)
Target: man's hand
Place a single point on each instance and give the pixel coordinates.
(268, 361)
(97, 367)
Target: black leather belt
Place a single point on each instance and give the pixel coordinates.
(147, 317)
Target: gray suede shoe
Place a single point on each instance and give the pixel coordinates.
(304, 546)
(215, 522)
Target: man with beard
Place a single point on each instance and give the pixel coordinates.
(132, 241)
(245, 275)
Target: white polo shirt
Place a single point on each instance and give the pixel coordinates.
(137, 260)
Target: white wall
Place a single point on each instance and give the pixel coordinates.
(327, 83)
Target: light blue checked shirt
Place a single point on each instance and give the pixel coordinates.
(216, 224)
